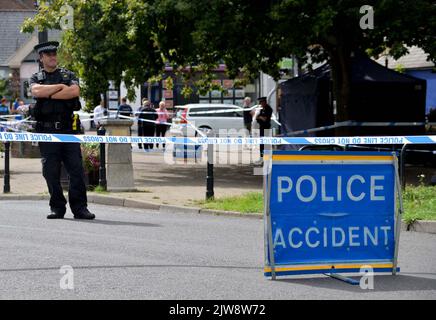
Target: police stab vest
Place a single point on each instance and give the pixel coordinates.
(55, 110)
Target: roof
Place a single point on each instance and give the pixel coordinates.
(11, 39)
(415, 59)
(17, 5)
(363, 69)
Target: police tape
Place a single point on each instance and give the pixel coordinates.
(210, 112)
(197, 130)
(230, 108)
(145, 120)
(351, 123)
(67, 138)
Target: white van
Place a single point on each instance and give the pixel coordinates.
(209, 119)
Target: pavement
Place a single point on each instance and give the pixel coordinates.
(144, 254)
(160, 179)
(169, 184)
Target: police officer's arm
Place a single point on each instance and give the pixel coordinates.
(259, 117)
(267, 115)
(45, 90)
(68, 92)
(71, 90)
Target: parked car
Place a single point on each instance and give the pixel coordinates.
(209, 119)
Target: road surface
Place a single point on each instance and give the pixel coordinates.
(137, 254)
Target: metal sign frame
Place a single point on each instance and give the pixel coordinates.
(272, 270)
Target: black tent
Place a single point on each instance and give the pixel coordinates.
(378, 94)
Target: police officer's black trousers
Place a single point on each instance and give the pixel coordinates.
(53, 155)
(161, 130)
(146, 131)
(262, 134)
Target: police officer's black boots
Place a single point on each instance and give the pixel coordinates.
(84, 214)
(56, 214)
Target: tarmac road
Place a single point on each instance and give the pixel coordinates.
(137, 254)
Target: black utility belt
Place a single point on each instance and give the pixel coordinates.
(55, 125)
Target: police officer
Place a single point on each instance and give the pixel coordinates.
(57, 91)
(264, 119)
(146, 128)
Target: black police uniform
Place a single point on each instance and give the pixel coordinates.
(56, 116)
(263, 125)
(146, 128)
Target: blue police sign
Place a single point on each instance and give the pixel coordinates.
(331, 212)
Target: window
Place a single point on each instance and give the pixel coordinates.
(198, 112)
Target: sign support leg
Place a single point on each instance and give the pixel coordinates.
(267, 189)
(342, 278)
(398, 214)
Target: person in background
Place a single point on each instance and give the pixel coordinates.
(22, 109)
(248, 114)
(124, 109)
(4, 110)
(16, 109)
(15, 105)
(264, 120)
(147, 116)
(162, 122)
(99, 113)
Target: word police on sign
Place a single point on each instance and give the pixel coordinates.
(330, 212)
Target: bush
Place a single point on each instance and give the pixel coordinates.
(91, 157)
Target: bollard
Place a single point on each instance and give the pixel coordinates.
(7, 186)
(102, 170)
(209, 177)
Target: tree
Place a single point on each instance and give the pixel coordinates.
(5, 88)
(96, 48)
(133, 40)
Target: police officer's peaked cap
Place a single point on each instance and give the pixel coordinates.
(261, 99)
(50, 46)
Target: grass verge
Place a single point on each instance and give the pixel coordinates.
(251, 202)
(100, 189)
(419, 203)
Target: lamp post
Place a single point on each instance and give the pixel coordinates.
(42, 35)
(7, 186)
(209, 177)
(102, 170)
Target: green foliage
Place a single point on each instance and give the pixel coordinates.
(131, 41)
(419, 203)
(100, 189)
(250, 202)
(5, 88)
(400, 68)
